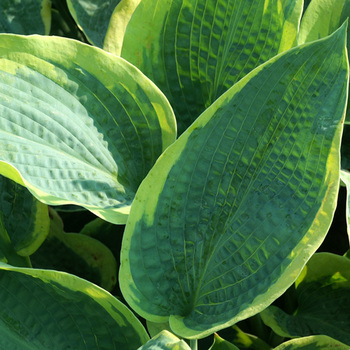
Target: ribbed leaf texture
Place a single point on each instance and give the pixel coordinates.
(78, 125)
(196, 50)
(228, 216)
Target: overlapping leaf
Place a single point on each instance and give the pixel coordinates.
(321, 342)
(78, 125)
(323, 293)
(228, 216)
(93, 17)
(322, 18)
(77, 254)
(222, 344)
(195, 51)
(25, 219)
(8, 253)
(43, 309)
(247, 341)
(62, 23)
(25, 16)
(165, 341)
(113, 41)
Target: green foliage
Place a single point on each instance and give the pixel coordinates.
(323, 294)
(208, 262)
(194, 147)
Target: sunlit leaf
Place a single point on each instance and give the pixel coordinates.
(165, 341)
(226, 219)
(322, 18)
(78, 125)
(321, 342)
(195, 51)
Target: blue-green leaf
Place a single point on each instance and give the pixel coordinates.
(78, 125)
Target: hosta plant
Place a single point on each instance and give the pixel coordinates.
(170, 170)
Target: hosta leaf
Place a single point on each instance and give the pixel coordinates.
(93, 16)
(62, 22)
(321, 342)
(25, 16)
(154, 328)
(247, 341)
(43, 309)
(221, 344)
(195, 51)
(165, 341)
(120, 18)
(322, 18)
(323, 293)
(230, 213)
(78, 254)
(26, 220)
(8, 253)
(78, 125)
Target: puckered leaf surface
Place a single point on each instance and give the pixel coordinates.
(78, 125)
(195, 50)
(43, 309)
(231, 212)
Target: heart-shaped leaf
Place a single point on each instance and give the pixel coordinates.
(323, 294)
(230, 213)
(43, 309)
(78, 125)
(195, 51)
